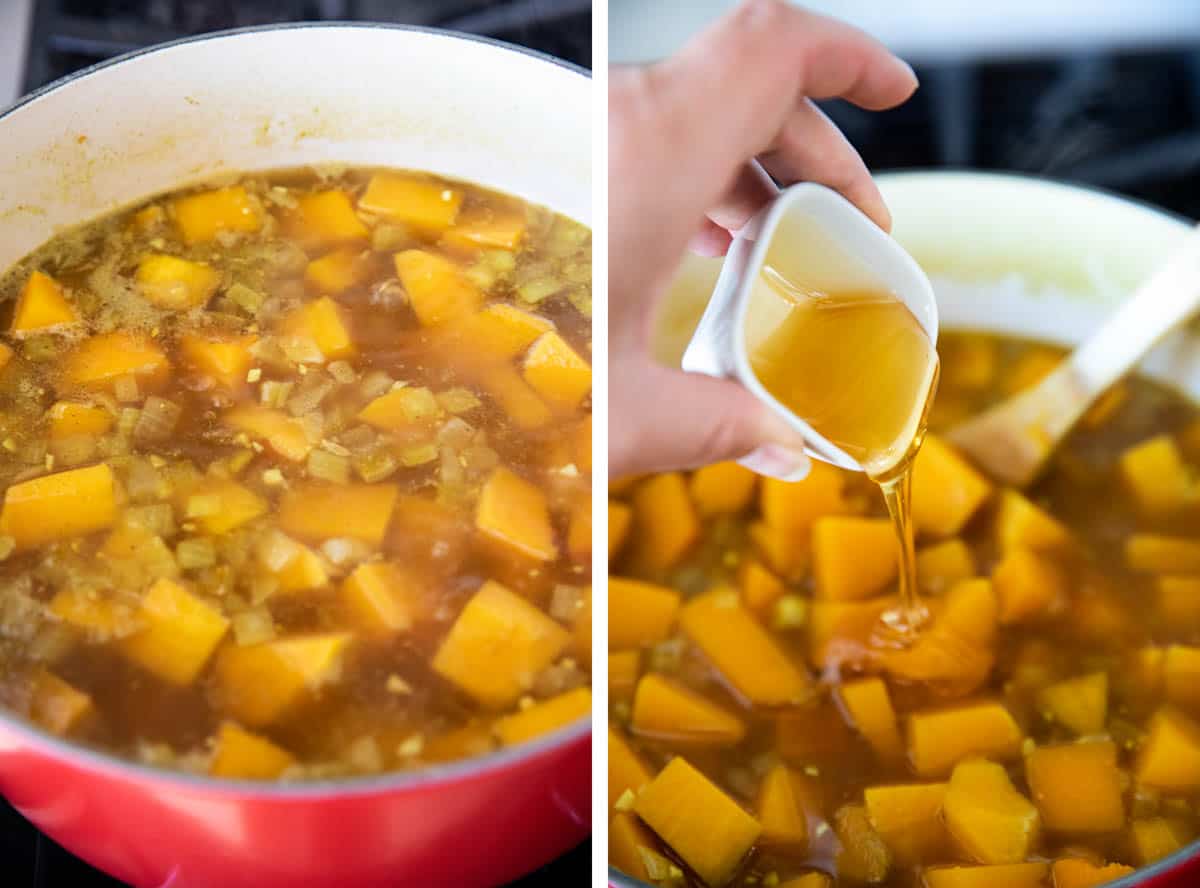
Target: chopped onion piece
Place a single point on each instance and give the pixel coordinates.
(309, 395)
(458, 400)
(126, 389)
(196, 553)
(253, 626)
(342, 372)
(418, 455)
(328, 466)
(274, 393)
(158, 419)
(376, 465)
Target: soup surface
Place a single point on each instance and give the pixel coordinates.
(296, 474)
(1044, 727)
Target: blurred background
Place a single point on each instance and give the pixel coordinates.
(1100, 92)
(43, 40)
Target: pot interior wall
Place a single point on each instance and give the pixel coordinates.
(287, 97)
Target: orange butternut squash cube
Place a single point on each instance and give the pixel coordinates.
(304, 569)
(783, 819)
(667, 711)
(628, 840)
(988, 818)
(284, 434)
(626, 770)
(939, 739)
(1155, 553)
(202, 216)
(1181, 676)
(514, 396)
(853, 557)
(544, 717)
(401, 408)
(179, 634)
(59, 506)
(1075, 872)
(1156, 477)
(325, 219)
(1019, 523)
(245, 756)
(487, 227)
(497, 645)
(437, 289)
(1177, 603)
(639, 614)
(839, 631)
(224, 359)
(100, 617)
(705, 827)
(557, 372)
(338, 271)
(1169, 758)
(944, 565)
(1077, 787)
(665, 524)
(862, 855)
(620, 517)
(1028, 585)
(1154, 838)
(722, 489)
(317, 512)
(747, 656)
(432, 206)
(794, 506)
(1007, 875)
(760, 588)
(624, 669)
(258, 683)
(946, 489)
(1080, 704)
(513, 512)
(324, 324)
(99, 361)
(174, 283)
(238, 505)
(41, 305)
(956, 651)
(383, 597)
(69, 419)
(786, 555)
(501, 331)
(909, 819)
(869, 708)
(57, 706)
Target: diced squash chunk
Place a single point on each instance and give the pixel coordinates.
(667, 711)
(41, 305)
(809, 880)
(423, 203)
(1154, 838)
(784, 823)
(1162, 554)
(59, 506)
(174, 283)
(722, 489)
(870, 711)
(1075, 872)
(639, 614)
(1020, 523)
(284, 434)
(487, 227)
(1008, 875)
(402, 408)
(557, 372)
(760, 588)
(1170, 755)
(853, 558)
(1181, 676)
(1177, 604)
(956, 651)
(69, 419)
(705, 827)
(99, 361)
(513, 512)
(794, 506)
(238, 505)
(57, 706)
(383, 597)
(624, 669)
(258, 683)
(323, 323)
(224, 359)
(988, 818)
(909, 819)
(422, 526)
(246, 756)
(318, 512)
(180, 633)
(1156, 477)
(939, 739)
(628, 839)
(1028, 585)
(325, 219)
(202, 216)
(544, 717)
(497, 645)
(862, 855)
(303, 569)
(839, 631)
(520, 402)
(501, 332)
(94, 614)
(785, 553)
(437, 289)
(747, 656)
(626, 770)
(620, 518)
(665, 524)
(946, 489)
(338, 271)
(1077, 787)
(1080, 704)
(944, 565)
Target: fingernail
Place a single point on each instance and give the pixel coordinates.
(779, 462)
(909, 68)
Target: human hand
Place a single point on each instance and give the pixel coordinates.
(684, 136)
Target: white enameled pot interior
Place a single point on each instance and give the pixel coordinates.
(264, 99)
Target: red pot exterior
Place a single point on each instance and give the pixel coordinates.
(484, 826)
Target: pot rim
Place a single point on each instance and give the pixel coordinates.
(1165, 866)
(112, 766)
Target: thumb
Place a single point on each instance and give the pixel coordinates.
(670, 419)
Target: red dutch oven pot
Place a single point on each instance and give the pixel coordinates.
(261, 99)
